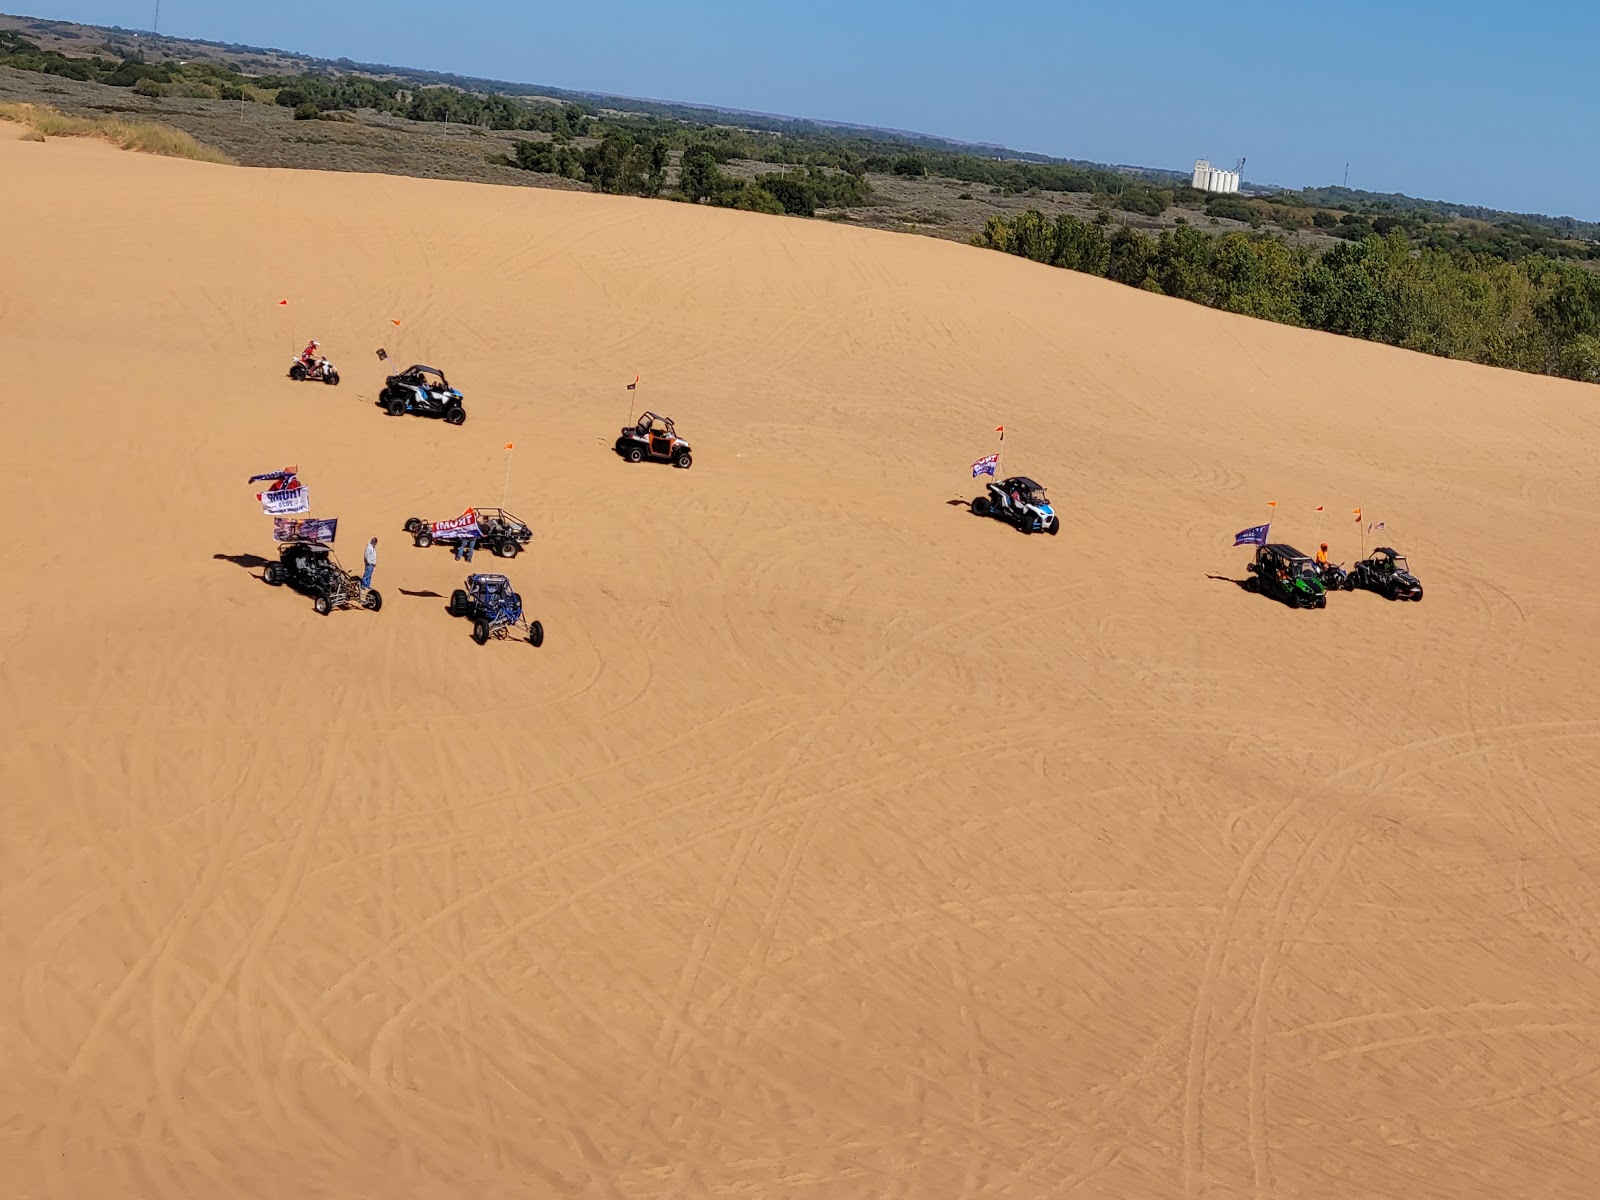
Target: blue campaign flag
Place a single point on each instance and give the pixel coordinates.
(985, 465)
(1256, 535)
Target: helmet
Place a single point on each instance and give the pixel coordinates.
(314, 342)
(1324, 545)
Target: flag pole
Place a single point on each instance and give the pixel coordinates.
(633, 389)
(1000, 453)
(1363, 530)
(505, 490)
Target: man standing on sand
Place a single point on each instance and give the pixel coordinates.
(372, 563)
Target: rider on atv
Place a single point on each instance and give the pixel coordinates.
(308, 356)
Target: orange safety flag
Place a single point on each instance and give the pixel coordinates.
(282, 303)
(634, 384)
(394, 322)
(1357, 511)
(1001, 430)
(1319, 508)
(511, 445)
(1272, 504)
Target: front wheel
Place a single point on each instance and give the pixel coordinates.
(1322, 602)
(981, 506)
(454, 415)
(1055, 526)
(459, 603)
(1418, 596)
(480, 632)
(331, 379)
(372, 601)
(684, 461)
(535, 633)
(424, 539)
(321, 606)
(413, 525)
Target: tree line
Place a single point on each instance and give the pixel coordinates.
(623, 164)
(1535, 315)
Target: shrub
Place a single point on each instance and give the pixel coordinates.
(307, 112)
(1231, 208)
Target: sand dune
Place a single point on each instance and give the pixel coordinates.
(836, 843)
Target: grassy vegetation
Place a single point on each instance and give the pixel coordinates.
(145, 137)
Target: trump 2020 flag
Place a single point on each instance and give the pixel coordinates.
(1256, 535)
(985, 465)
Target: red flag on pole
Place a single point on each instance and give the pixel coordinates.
(283, 303)
(1319, 508)
(1001, 430)
(634, 384)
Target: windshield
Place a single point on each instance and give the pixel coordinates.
(1308, 570)
(1400, 563)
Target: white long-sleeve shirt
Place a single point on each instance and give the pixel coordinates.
(372, 555)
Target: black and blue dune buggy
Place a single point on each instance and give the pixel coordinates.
(495, 609)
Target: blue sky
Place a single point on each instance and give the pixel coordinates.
(1450, 99)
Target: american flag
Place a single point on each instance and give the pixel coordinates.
(987, 465)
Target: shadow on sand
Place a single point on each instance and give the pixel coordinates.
(1242, 584)
(423, 595)
(250, 562)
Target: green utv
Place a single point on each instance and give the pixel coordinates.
(1283, 573)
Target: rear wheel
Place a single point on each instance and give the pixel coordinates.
(424, 538)
(454, 415)
(396, 406)
(508, 548)
(273, 574)
(321, 605)
(1252, 585)
(536, 633)
(480, 632)
(297, 372)
(372, 600)
(635, 454)
(980, 506)
(684, 461)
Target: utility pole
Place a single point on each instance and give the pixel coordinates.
(1347, 174)
(156, 28)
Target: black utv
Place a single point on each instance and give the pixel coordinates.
(1283, 573)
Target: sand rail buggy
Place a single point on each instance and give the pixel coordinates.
(1282, 572)
(654, 437)
(496, 529)
(425, 391)
(495, 610)
(1018, 501)
(311, 569)
(1386, 572)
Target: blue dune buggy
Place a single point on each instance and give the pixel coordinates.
(495, 609)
